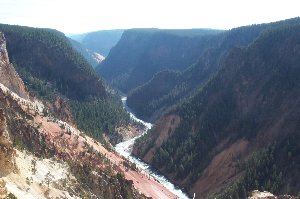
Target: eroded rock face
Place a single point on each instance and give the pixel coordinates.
(267, 195)
(3, 53)
(3, 191)
(62, 108)
(7, 153)
(8, 75)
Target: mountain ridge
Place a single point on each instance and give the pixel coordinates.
(196, 75)
(141, 53)
(23, 42)
(99, 41)
(53, 71)
(240, 122)
(92, 57)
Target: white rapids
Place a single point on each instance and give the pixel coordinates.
(125, 148)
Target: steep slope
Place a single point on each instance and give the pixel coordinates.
(56, 73)
(150, 100)
(92, 57)
(44, 157)
(144, 100)
(47, 55)
(99, 41)
(58, 161)
(7, 153)
(8, 75)
(141, 53)
(240, 131)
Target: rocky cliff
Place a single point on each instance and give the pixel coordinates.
(7, 153)
(8, 75)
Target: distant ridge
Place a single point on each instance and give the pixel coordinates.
(99, 41)
(141, 53)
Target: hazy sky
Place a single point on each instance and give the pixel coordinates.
(75, 16)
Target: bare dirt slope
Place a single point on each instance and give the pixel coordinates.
(69, 144)
(213, 180)
(165, 127)
(45, 157)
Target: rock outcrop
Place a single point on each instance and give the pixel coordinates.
(7, 153)
(62, 110)
(8, 75)
(267, 195)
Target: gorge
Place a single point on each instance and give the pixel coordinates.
(125, 149)
(216, 113)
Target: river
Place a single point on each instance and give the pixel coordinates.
(125, 148)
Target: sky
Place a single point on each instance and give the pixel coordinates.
(79, 16)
